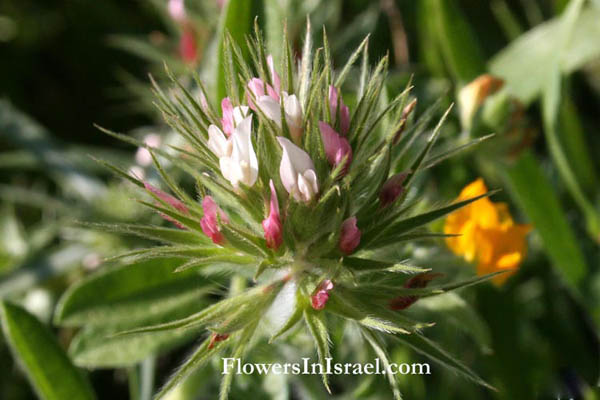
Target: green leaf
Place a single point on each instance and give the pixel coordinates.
(236, 19)
(457, 41)
(101, 347)
(551, 100)
(127, 294)
(24, 132)
(259, 296)
(537, 197)
(574, 140)
(523, 62)
(48, 368)
(13, 241)
(51, 264)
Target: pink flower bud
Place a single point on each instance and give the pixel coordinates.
(418, 281)
(227, 120)
(334, 99)
(167, 198)
(143, 156)
(392, 189)
(321, 295)
(336, 147)
(274, 75)
(176, 9)
(349, 236)
(257, 87)
(188, 49)
(272, 224)
(209, 223)
(203, 102)
(232, 116)
(170, 200)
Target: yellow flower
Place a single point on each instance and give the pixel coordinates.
(488, 234)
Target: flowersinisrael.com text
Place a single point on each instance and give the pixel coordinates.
(306, 367)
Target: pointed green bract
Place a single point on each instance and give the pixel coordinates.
(379, 349)
(319, 333)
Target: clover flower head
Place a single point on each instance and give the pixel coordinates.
(300, 190)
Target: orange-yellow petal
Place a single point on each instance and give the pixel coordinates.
(488, 234)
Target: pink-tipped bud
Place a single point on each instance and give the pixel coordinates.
(274, 75)
(227, 120)
(176, 9)
(188, 48)
(171, 201)
(349, 236)
(143, 156)
(336, 103)
(392, 189)
(272, 224)
(321, 295)
(203, 102)
(418, 281)
(209, 222)
(409, 108)
(402, 125)
(257, 87)
(167, 198)
(337, 148)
